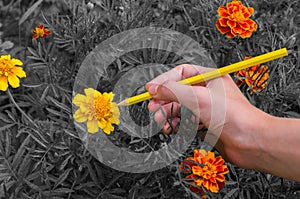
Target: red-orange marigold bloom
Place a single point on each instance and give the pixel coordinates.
(234, 20)
(40, 31)
(255, 77)
(206, 172)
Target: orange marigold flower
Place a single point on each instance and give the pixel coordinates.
(234, 20)
(255, 77)
(206, 172)
(40, 31)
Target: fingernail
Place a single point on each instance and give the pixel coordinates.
(153, 89)
(168, 127)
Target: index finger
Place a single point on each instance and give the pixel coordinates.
(178, 73)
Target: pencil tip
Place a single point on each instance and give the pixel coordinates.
(123, 103)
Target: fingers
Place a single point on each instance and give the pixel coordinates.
(175, 124)
(168, 110)
(171, 125)
(189, 96)
(176, 74)
(154, 104)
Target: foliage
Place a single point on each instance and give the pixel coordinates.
(48, 160)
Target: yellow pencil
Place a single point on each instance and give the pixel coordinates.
(214, 73)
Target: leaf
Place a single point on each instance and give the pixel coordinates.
(30, 11)
(8, 144)
(230, 193)
(292, 114)
(92, 174)
(32, 51)
(65, 162)
(57, 113)
(59, 105)
(33, 186)
(63, 190)
(3, 176)
(113, 180)
(4, 118)
(72, 134)
(19, 155)
(62, 177)
(6, 127)
(44, 94)
(37, 136)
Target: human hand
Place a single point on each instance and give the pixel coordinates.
(220, 106)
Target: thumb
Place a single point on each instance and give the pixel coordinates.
(191, 97)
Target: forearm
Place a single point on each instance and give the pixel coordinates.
(279, 147)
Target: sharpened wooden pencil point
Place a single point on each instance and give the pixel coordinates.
(123, 103)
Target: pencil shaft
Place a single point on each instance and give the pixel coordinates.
(218, 72)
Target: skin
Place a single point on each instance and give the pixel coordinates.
(249, 137)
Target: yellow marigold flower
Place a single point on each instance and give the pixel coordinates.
(40, 31)
(97, 109)
(206, 172)
(10, 72)
(234, 20)
(255, 77)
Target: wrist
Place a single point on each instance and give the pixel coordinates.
(248, 144)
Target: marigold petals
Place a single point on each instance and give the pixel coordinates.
(196, 189)
(16, 62)
(3, 83)
(230, 35)
(214, 188)
(245, 26)
(237, 19)
(231, 24)
(223, 22)
(79, 99)
(246, 34)
(79, 116)
(102, 123)
(41, 26)
(222, 29)
(250, 11)
(222, 11)
(220, 178)
(98, 109)
(108, 96)
(221, 184)
(89, 92)
(35, 36)
(206, 184)
(197, 170)
(92, 126)
(219, 160)
(109, 128)
(7, 57)
(18, 71)
(255, 77)
(207, 172)
(200, 153)
(237, 31)
(13, 80)
(40, 31)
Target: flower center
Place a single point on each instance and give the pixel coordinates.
(238, 16)
(102, 108)
(210, 170)
(4, 68)
(39, 32)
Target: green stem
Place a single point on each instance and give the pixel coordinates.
(18, 107)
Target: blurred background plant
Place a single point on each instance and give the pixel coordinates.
(48, 160)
